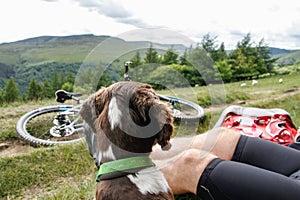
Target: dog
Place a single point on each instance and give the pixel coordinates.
(128, 119)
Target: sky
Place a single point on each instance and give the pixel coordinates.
(276, 21)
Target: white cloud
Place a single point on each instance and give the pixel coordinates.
(276, 21)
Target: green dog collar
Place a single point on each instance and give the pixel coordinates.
(123, 166)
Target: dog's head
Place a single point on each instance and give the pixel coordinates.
(130, 115)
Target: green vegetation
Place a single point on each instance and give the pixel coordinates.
(46, 64)
(32, 70)
(46, 168)
(10, 92)
(67, 172)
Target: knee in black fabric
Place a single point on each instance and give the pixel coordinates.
(206, 189)
(228, 180)
(267, 155)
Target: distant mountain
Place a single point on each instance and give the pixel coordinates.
(38, 57)
(285, 57)
(66, 49)
(48, 49)
(277, 51)
(288, 58)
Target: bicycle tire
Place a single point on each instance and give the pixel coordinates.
(31, 121)
(187, 109)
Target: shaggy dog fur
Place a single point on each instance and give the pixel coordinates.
(128, 119)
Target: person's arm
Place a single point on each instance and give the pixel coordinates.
(184, 163)
(184, 171)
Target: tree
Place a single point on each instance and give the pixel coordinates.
(190, 73)
(136, 60)
(225, 70)
(221, 53)
(54, 81)
(61, 80)
(208, 43)
(170, 57)
(67, 86)
(264, 59)
(183, 59)
(70, 77)
(244, 59)
(47, 91)
(34, 90)
(166, 76)
(249, 60)
(151, 55)
(11, 92)
(204, 64)
(1, 97)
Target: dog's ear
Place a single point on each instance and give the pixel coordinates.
(165, 119)
(147, 108)
(93, 106)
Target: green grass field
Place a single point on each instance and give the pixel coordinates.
(68, 172)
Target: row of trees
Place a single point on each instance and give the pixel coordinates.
(35, 90)
(248, 60)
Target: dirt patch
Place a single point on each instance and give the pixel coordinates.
(8, 149)
(263, 92)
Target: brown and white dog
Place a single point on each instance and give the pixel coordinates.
(128, 119)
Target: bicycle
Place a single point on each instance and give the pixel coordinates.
(61, 124)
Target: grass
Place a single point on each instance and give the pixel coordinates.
(9, 115)
(67, 172)
(47, 169)
(290, 104)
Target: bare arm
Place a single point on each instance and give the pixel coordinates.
(185, 162)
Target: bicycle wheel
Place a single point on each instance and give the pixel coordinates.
(183, 109)
(38, 127)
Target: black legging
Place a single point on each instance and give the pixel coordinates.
(259, 170)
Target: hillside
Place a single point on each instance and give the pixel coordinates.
(64, 49)
(34, 57)
(288, 59)
(5, 72)
(278, 51)
(72, 169)
(38, 57)
(32, 51)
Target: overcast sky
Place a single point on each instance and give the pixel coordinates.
(277, 21)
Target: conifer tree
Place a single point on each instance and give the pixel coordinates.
(136, 60)
(170, 57)
(54, 82)
(11, 92)
(1, 97)
(183, 59)
(47, 91)
(151, 55)
(34, 90)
